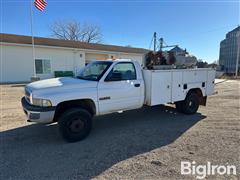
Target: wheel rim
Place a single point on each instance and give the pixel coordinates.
(191, 105)
(76, 125)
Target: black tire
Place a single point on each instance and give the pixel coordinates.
(190, 104)
(75, 124)
(179, 106)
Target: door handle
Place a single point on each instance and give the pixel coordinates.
(137, 85)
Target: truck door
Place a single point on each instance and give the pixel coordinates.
(120, 90)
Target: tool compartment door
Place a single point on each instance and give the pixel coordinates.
(177, 86)
(161, 87)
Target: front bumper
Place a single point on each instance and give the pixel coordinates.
(38, 114)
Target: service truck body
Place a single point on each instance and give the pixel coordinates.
(111, 86)
(169, 86)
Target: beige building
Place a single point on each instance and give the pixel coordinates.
(52, 55)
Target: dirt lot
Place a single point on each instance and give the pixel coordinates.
(148, 143)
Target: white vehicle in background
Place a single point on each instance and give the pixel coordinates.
(109, 86)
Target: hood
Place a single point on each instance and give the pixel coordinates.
(65, 82)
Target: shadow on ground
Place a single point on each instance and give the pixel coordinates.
(37, 151)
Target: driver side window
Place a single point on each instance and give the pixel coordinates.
(122, 71)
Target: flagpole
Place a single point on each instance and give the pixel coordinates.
(33, 46)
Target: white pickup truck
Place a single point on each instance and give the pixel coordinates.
(104, 87)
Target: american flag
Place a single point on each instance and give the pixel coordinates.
(40, 4)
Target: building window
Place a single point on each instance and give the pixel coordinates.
(42, 66)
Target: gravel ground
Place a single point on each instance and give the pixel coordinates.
(148, 143)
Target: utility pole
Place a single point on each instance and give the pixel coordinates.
(154, 41)
(161, 44)
(238, 51)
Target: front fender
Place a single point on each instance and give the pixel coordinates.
(61, 95)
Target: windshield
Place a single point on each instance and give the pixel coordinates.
(94, 71)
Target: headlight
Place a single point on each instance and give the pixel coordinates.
(41, 102)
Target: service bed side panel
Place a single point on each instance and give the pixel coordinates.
(194, 76)
(164, 86)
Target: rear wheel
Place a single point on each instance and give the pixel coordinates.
(190, 104)
(75, 124)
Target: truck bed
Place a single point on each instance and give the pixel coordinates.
(168, 86)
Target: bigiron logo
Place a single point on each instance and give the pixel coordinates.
(201, 171)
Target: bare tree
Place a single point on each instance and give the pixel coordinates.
(73, 30)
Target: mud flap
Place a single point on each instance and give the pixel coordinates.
(203, 101)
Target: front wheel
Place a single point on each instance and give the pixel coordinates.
(75, 124)
(190, 105)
